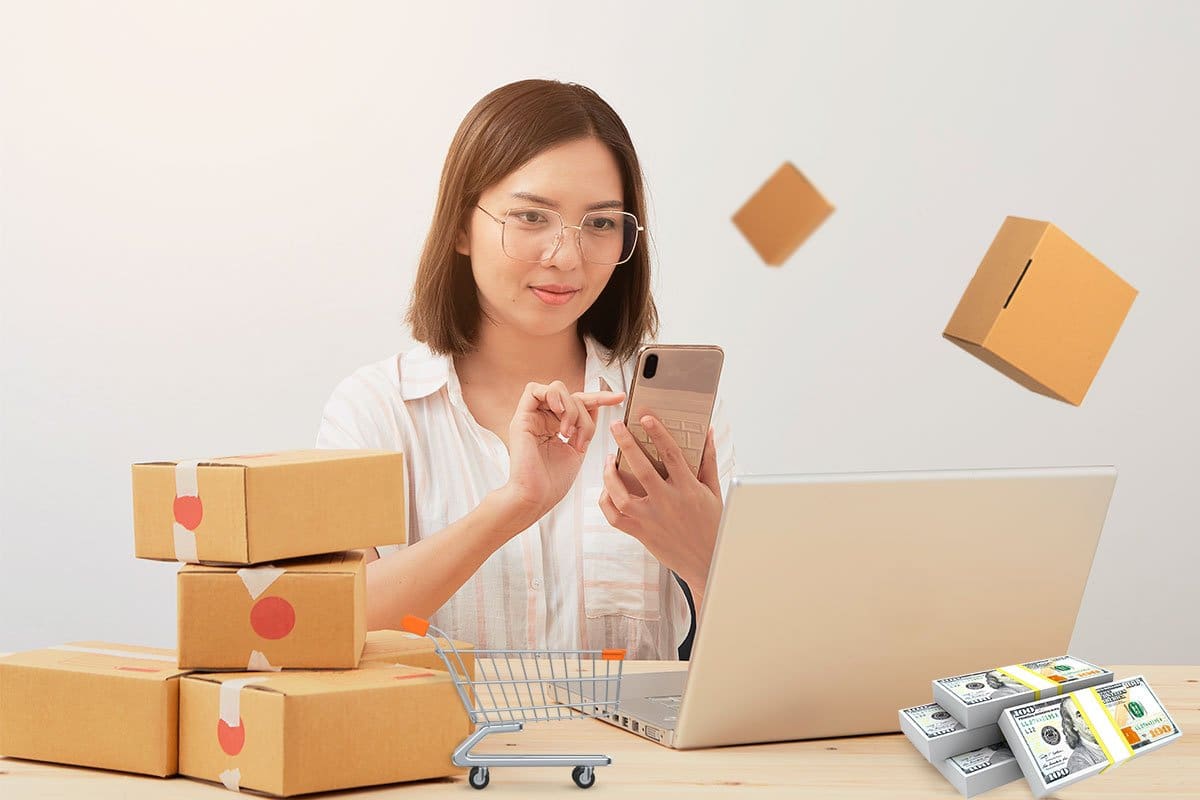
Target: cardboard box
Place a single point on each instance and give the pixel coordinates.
(254, 509)
(782, 214)
(402, 647)
(297, 732)
(308, 613)
(92, 704)
(1041, 310)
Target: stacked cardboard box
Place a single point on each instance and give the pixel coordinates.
(272, 582)
(94, 704)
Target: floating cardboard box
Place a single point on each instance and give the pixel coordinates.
(1041, 310)
(307, 613)
(293, 733)
(782, 214)
(254, 509)
(92, 704)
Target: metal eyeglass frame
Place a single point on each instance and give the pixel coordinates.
(562, 228)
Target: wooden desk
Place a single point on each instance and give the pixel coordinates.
(860, 767)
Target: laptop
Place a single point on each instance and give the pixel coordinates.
(835, 600)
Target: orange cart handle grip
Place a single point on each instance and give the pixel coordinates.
(414, 625)
(612, 655)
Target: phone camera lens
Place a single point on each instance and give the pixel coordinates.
(651, 366)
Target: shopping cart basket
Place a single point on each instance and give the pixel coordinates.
(515, 692)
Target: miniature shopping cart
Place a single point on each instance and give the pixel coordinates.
(520, 689)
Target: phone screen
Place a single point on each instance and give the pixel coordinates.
(677, 384)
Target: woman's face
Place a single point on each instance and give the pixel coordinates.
(572, 179)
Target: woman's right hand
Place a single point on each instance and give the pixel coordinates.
(542, 467)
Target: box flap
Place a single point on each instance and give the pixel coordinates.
(298, 683)
(996, 279)
(277, 458)
(1004, 368)
(286, 457)
(383, 643)
(102, 658)
(344, 563)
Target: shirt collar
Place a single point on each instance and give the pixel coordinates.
(423, 372)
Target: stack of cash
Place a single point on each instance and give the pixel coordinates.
(958, 733)
(980, 770)
(1061, 740)
(938, 735)
(976, 699)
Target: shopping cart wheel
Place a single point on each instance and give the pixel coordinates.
(479, 777)
(584, 777)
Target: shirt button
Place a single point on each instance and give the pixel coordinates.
(536, 583)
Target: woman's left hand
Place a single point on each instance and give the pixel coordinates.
(676, 517)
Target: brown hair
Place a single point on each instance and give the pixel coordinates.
(504, 130)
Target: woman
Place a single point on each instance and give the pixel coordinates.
(530, 300)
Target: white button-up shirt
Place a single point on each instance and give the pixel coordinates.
(570, 581)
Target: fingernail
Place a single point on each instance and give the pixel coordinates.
(647, 422)
(615, 426)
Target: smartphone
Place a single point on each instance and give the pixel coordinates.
(677, 384)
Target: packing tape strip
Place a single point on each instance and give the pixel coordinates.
(231, 700)
(1104, 727)
(185, 544)
(1030, 680)
(186, 485)
(232, 778)
(258, 663)
(100, 651)
(258, 579)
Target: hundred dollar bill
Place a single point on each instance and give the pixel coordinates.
(977, 698)
(980, 770)
(938, 736)
(1061, 740)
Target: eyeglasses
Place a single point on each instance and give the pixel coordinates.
(605, 238)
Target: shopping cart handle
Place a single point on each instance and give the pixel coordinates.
(414, 625)
(612, 655)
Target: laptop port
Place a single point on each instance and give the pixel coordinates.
(635, 726)
(652, 732)
(625, 722)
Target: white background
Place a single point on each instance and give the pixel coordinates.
(211, 214)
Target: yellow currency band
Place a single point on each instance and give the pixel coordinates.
(1030, 680)
(1103, 727)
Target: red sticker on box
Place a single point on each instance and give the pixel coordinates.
(272, 618)
(231, 739)
(189, 510)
